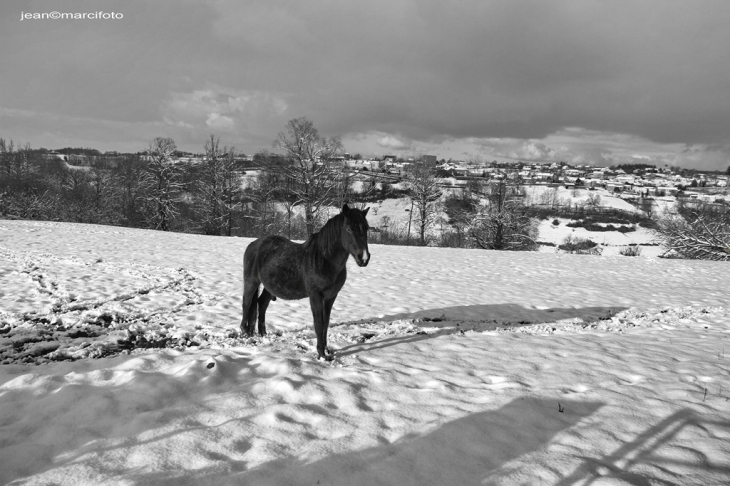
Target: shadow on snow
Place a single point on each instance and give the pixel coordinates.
(508, 313)
(478, 318)
(476, 450)
(464, 451)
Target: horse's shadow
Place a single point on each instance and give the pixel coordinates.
(506, 314)
(483, 317)
(370, 346)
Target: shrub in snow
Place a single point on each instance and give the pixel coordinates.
(700, 233)
(581, 246)
(599, 223)
(630, 250)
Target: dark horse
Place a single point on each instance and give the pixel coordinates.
(314, 269)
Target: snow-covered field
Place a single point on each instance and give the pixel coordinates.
(453, 367)
(611, 242)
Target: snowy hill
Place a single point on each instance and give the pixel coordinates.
(453, 367)
(396, 212)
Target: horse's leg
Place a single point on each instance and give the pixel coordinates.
(327, 311)
(264, 300)
(250, 297)
(316, 301)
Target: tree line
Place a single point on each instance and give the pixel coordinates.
(292, 195)
(147, 191)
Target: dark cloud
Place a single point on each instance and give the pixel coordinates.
(418, 71)
(495, 69)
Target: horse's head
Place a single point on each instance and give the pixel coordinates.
(355, 234)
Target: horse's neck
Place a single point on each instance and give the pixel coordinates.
(339, 257)
(336, 255)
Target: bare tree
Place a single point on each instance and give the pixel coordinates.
(104, 196)
(502, 221)
(132, 181)
(28, 205)
(701, 233)
(210, 187)
(424, 193)
(75, 182)
(16, 170)
(549, 198)
(23, 192)
(102, 185)
(646, 205)
(219, 188)
(231, 190)
(262, 195)
(368, 188)
(343, 187)
(312, 178)
(7, 154)
(593, 201)
(163, 183)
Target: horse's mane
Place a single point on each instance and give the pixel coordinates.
(327, 240)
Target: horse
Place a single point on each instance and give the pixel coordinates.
(315, 269)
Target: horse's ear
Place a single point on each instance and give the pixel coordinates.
(345, 209)
(365, 213)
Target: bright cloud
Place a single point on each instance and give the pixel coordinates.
(392, 143)
(217, 105)
(219, 122)
(244, 116)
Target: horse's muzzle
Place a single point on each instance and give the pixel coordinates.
(362, 258)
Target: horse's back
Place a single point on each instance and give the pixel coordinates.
(276, 262)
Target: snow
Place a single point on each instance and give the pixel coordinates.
(453, 367)
(612, 242)
(564, 195)
(397, 212)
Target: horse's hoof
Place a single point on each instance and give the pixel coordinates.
(327, 357)
(249, 333)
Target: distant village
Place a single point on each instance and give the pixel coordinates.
(645, 181)
(641, 182)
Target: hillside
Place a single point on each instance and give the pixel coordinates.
(453, 367)
(394, 213)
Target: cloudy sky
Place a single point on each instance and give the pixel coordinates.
(600, 82)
